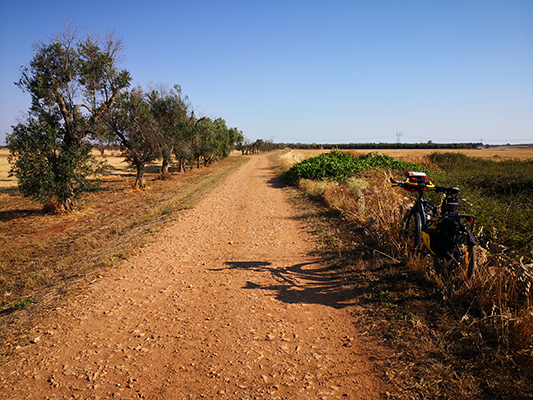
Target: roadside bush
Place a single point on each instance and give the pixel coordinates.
(342, 165)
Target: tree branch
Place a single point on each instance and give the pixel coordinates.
(76, 108)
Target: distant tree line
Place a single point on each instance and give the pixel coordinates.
(159, 125)
(354, 146)
(80, 98)
(260, 145)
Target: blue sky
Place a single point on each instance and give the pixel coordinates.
(311, 71)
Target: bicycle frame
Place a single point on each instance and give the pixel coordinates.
(426, 209)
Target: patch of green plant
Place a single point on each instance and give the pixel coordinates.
(167, 211)
(22, 303)
(342, 165)
(404, 314)
(385, 297)
(332, 241)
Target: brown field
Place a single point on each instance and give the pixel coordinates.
(495, 153)
(5, 181)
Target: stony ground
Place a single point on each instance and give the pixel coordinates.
(230, 302)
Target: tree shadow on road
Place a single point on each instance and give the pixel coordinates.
(322, 281)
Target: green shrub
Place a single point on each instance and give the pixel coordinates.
(342, 165)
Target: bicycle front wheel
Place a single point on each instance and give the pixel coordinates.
(411, 232)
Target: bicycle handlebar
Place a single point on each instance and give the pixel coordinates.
(422, 186)
(396, 183)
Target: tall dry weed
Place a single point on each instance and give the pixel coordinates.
(368, 200)
(500, 294)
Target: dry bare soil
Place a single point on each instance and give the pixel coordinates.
(231, 301)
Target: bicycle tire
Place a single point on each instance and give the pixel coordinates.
(437, 265)
(411, 232)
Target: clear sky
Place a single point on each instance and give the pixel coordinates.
(332, 71)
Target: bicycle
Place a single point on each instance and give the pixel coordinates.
(440, 231)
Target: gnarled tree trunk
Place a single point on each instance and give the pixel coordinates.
(139, 179)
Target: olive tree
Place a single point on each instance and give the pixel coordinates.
(135, 128)
(214, 140)
(73, 81)
(170, 110)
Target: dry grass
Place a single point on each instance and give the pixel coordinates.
(45, 257)
(502, 288)
(285, 159)
(493, 153)
(453, 338)
(6, 182)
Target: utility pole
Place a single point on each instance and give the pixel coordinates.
(398, 136)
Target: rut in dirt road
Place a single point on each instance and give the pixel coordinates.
(230, 302)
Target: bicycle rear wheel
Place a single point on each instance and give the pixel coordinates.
(463, 256)
(411, 231)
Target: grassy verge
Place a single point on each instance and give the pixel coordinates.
(45, 258)
(501, 197)
(453, 339)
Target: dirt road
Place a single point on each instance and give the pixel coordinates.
(230, 302)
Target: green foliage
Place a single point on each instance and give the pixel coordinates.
(77, 96)
(499, 193)
(493, 178)
(342, 165)
(385, 297)
(47, 169)
(214, 140)
(170, 110)
(134, 127)
(22, 303)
